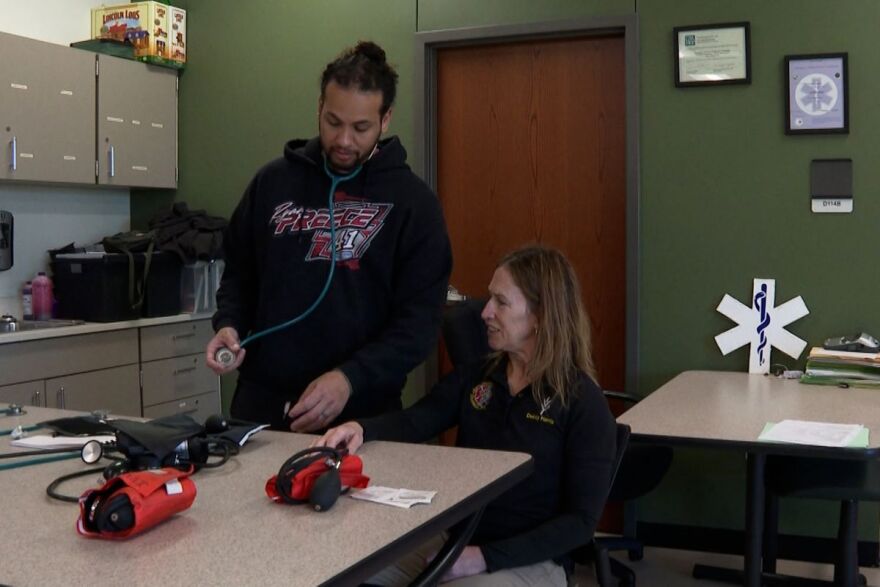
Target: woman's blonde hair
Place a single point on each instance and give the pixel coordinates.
(562, 345)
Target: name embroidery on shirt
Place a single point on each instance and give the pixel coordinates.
(480, 395)
(357, 223)
(540, 418)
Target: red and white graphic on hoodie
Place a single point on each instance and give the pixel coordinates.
(357, 221)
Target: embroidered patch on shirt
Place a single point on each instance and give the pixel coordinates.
(540, 418)
(480, 395)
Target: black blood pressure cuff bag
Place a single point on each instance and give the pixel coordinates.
(133, 502)
(80, 426)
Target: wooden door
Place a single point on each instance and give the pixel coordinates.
(531, 148)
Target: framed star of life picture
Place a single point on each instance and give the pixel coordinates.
(817, 94)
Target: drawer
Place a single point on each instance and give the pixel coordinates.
(175, 340)
(198, 407)
(32, 393)
(171, 379)
(64, 355)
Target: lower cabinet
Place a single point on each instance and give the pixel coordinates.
(149, 371)
(116, 391)
(198, 407)
(175, 379)
(32, 393)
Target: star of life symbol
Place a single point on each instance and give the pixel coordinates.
(816, 94)
(762, 326)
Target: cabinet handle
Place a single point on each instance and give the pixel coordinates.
(35, 398)
(193, 410)
(14, 162)
(59, 397)
(184, 370)
(179, 336)
(111, 155)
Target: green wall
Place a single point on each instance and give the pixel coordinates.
(724, 193)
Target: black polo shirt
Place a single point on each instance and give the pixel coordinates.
(555, 509)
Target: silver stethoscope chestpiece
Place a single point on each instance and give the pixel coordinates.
(224, 356)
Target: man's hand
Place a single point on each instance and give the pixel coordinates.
(225, 337)
(469, 562)
(320, 403)
(349, 435)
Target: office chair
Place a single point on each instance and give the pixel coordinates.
(640, 469)
(829, 479)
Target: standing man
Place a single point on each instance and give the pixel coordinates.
(380, 313)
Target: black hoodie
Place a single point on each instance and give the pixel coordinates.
(381, 315)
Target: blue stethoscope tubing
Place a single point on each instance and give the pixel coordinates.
(39, 460)
(335, 180)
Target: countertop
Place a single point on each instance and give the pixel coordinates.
(92, 327)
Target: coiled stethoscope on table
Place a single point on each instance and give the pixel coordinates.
(224, 356)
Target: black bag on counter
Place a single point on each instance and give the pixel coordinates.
(129, 243)
(191, 234)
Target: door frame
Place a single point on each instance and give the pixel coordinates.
(427, 45)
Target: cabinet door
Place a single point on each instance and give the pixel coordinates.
(47, 111)
(137, 124)
(32, 393)
(116, 390)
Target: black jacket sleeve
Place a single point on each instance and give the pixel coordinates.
(428, 417)
(590, 446)
(236, 298)
(423, 262)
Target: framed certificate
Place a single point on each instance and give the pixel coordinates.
(713, 54)
(817, 94)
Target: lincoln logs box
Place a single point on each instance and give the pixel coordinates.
(155, 30)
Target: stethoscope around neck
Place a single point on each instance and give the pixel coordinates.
(226, 357)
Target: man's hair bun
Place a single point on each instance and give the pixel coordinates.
(371, 51)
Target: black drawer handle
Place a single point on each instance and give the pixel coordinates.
(184, 370)
(187, 335)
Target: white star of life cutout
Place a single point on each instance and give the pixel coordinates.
(762, 325)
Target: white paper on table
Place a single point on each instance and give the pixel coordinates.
(39, 441)
(813, 433)
(401, 498)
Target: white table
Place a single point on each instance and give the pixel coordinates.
(233, 534)
(728, 411)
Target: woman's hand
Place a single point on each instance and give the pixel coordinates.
(349, 435)
(470, 562)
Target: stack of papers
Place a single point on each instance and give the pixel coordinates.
(843, 368)
(816, 433)
(401, 498)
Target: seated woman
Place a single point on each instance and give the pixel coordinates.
(535, 393)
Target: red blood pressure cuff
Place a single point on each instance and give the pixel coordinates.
(302, 479)
(133, 502)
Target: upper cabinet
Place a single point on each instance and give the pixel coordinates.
(56, 102)
(137, 124)
(47, 106)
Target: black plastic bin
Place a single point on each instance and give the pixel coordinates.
(94, 287)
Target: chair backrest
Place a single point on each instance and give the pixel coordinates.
(623, 432)
(464, 333)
